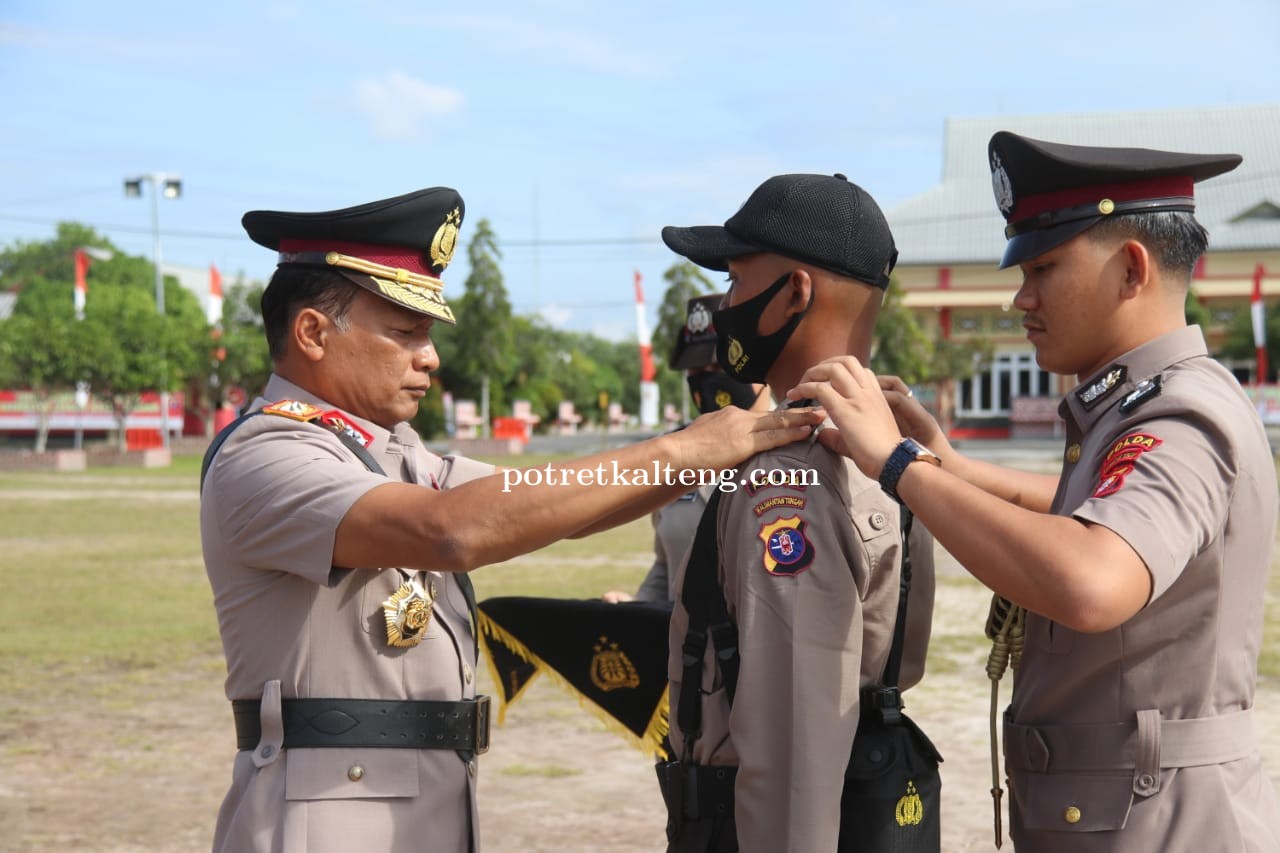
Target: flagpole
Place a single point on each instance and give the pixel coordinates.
(1258, 315)
(80, 296)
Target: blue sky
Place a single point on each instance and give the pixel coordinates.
(578, 129)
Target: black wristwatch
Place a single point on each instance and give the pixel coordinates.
(908, 450)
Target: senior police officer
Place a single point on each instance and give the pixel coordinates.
(1143, 566)
(711, 389)
(808, 563)
(337, 546)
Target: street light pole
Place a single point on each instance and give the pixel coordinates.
(171, 186)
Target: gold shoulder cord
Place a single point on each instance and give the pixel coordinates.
(1005, 630)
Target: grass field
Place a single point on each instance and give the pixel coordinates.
(104, 578)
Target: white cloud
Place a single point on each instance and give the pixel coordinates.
(573, 47)
(400, 107)
(556, 316)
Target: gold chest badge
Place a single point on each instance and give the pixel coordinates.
(408, 612)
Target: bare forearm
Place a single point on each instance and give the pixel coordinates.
(1020, 488)
(1084, 577)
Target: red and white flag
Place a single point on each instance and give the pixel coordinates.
(82, 286)
(647, 370)
(213, 308)
(1259, 317)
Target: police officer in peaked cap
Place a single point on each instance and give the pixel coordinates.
(1139, 573)
(338, 547)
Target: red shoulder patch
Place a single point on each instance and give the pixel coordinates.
(1121, 459)
(338, 422)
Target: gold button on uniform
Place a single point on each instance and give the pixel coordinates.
(466, 673)
(1073, 454)
(355, 772)
(1072, 815)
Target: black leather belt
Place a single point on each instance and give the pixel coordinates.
(310, 723)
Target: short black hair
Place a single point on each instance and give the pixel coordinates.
(1174, 237)
(293, 288)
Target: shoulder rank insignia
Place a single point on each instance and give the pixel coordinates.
(787, 551)
(294, 409)
(338, 422)
(1147, 389)
(408, 611)
(1097, 391)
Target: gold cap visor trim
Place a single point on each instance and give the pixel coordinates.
(414, 291)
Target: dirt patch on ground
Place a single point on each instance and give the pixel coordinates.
(144, 769)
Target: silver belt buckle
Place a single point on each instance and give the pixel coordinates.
(482, 724)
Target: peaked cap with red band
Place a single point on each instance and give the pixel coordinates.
(396, 247)
(1049, 192)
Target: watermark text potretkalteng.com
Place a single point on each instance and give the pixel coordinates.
(725, 479)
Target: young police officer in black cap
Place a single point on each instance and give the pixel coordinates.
(1142, 568)
(808, 547)
(337, 546)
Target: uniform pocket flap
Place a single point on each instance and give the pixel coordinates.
(350, 774)
(1073, 802)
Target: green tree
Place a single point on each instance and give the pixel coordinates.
(903, 349)
(46, 355)
(1196, 313)
(1237, 343)
(482, 344)
(246, 361)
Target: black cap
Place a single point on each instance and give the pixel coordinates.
(824, 220)
(1049, 192)
(396, 247)
(696, 342)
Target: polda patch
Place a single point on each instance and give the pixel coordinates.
(784, 501)
(1121, 459)
(787, 550)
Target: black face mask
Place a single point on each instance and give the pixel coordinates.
(715, 391)
(742, 351)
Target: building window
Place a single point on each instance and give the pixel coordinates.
(990, 394)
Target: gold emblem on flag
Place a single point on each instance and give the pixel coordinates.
(611, 669)
(408, 612)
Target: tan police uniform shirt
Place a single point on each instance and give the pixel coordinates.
(293, 625)
(673, 528)
(810, 576)
(1184, 474)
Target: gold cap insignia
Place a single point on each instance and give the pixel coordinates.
(446, 238)
(408, 612)
(611, 669)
